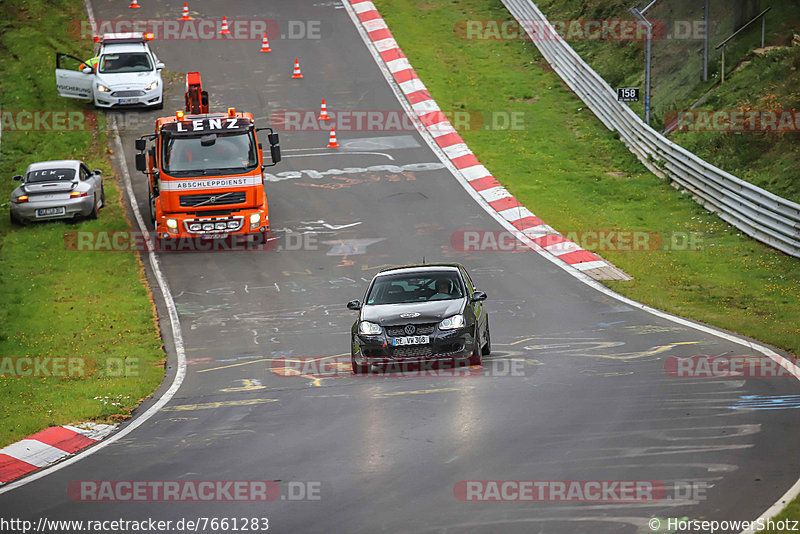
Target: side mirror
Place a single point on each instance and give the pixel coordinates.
(354, 305)
(275, 153)
(97, 171)
(141, 162)
(17, 178)
(478, 296)
(160, 66)
(273, 139)
(141, 144)
(88, 70)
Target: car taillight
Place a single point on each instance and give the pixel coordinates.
(78, 194)
(21, 199)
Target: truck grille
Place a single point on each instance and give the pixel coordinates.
(422, 330)
(127, 94)
(214, 199)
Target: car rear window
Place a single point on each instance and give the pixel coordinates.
(415, 287)
(50, 175)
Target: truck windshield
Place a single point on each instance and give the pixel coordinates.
(233, 154)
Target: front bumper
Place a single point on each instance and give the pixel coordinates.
(445, 345)
(127, 98)
(191, 225)
(73, 207)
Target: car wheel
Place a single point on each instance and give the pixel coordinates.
(95, 212)
(359, 369)
(16, 221)
(475, 357)
(487, 348)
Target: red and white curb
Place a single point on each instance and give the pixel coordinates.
(48, 447)
(462, 158)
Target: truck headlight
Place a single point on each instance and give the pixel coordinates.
(152, 85)
(367, 328)
(451, 323)
(255, 220)
(102, 88)
(172, 224)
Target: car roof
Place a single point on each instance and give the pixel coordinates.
(54, 164)
(121, 48)
(421, 268)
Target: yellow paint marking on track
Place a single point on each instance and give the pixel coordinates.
(632, 355)
(368, 268)
(418, 392)
(212, 405)
(247, 385)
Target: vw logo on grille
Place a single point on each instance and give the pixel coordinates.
(410, 329)
(409, 315)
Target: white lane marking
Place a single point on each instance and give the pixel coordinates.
(344, 153)
(177, 335)
(570, 269)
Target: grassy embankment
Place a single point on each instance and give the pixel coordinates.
(55, 302)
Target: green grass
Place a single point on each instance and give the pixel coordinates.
(56, 302)
(559, 165)
(768, 160)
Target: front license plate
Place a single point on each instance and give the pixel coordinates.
(410, 340)
(50, 212)
(214, 236)
(128, 101)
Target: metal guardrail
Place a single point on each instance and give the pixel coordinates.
(758, 213)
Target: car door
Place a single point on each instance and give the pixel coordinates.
(477, 307)
(70, 81)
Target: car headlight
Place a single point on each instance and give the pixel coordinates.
(370, 329)
(152, 85)
(172, 224)
(102, 88)
(451, 323)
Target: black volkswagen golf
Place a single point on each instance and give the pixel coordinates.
(420, 314)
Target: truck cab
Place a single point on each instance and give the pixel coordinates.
(206, 174)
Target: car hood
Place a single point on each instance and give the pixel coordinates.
(429, 312)
(127, 80)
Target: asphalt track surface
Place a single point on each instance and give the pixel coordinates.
(591, 399)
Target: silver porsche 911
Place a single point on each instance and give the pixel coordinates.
(62, 189)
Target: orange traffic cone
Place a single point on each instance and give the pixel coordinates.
(134, 4)
(265, 44)
(297, 73)
(186, 12)
(332, 140)
(224, 30)
(323, 112)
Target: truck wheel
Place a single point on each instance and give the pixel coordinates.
(151, 202)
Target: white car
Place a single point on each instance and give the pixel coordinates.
(128, 73)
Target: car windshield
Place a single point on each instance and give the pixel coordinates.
(415, 287)
(128, 62)
(232, 153)
(50, 175)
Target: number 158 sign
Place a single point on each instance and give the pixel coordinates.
(628, 94)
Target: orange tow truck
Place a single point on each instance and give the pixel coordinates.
(205, 172)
